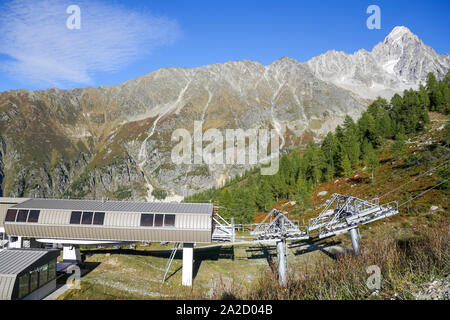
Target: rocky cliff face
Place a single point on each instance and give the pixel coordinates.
(115, 141)
(400, 62)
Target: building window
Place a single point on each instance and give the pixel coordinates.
(169, 220)
(75, 217)
(23, 285)
(33, 216)
(52, 270)
(159, 220)
(33, 280)
(87, 218)
(11, 215)
(22, 216)
(99, 218)
(43, 275)
(146, 220)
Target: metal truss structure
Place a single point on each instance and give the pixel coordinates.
(223, 231)
(276, 226)
(344, 213)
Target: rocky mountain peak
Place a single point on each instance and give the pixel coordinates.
(400, 34)
(400, 62)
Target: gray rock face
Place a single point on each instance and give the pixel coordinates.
(400, 62)
(115, 141)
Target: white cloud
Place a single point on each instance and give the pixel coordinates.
(44, 51)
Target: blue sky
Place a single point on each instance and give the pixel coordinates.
(121, 40)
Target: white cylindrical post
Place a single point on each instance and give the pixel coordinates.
(354, 235)
(188, 261)
(282, 265)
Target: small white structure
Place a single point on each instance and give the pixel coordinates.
(71, 253)
(188, 260)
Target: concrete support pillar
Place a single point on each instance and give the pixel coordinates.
(16, 244)
(282, 262)
(188, 262)
(354, 235)
(71, 253)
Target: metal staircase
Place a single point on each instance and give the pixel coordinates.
(222, 230)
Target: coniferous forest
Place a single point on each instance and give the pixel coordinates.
(352, 144)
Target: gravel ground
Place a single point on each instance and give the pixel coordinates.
(438, 289)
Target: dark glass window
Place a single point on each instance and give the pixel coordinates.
(75, 217)
(11, 215)
(34, 280)
(169, 220)
(159, 220)
(146, 220)
(52, 270)
(24, 285)
(87, 218)
(33, 216)
(99, 217)
(22, 216)
(43, 275)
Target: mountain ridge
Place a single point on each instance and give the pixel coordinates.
(115, 141)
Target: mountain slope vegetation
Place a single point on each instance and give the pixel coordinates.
(382, 135)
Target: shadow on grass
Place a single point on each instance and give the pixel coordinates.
(305, 246)
(85, 269)
(200, 254)
(329, 248)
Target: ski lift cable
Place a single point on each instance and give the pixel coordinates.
(356, 194)
(421, 194)
(392, 175)
(411, 180)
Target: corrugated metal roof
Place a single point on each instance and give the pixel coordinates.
(13, 200)
(123, 206)
(13, 261)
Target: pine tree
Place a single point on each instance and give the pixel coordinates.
(366, 126)
(446, 137)
(399, 145)
(264, 197)
(329, 148)
(384, 125)
(371, 159)
(424, 98)
(379, 105)
(446, 79)
(345, 166)
(302, 195)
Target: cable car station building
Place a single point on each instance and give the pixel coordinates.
(81, 222)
